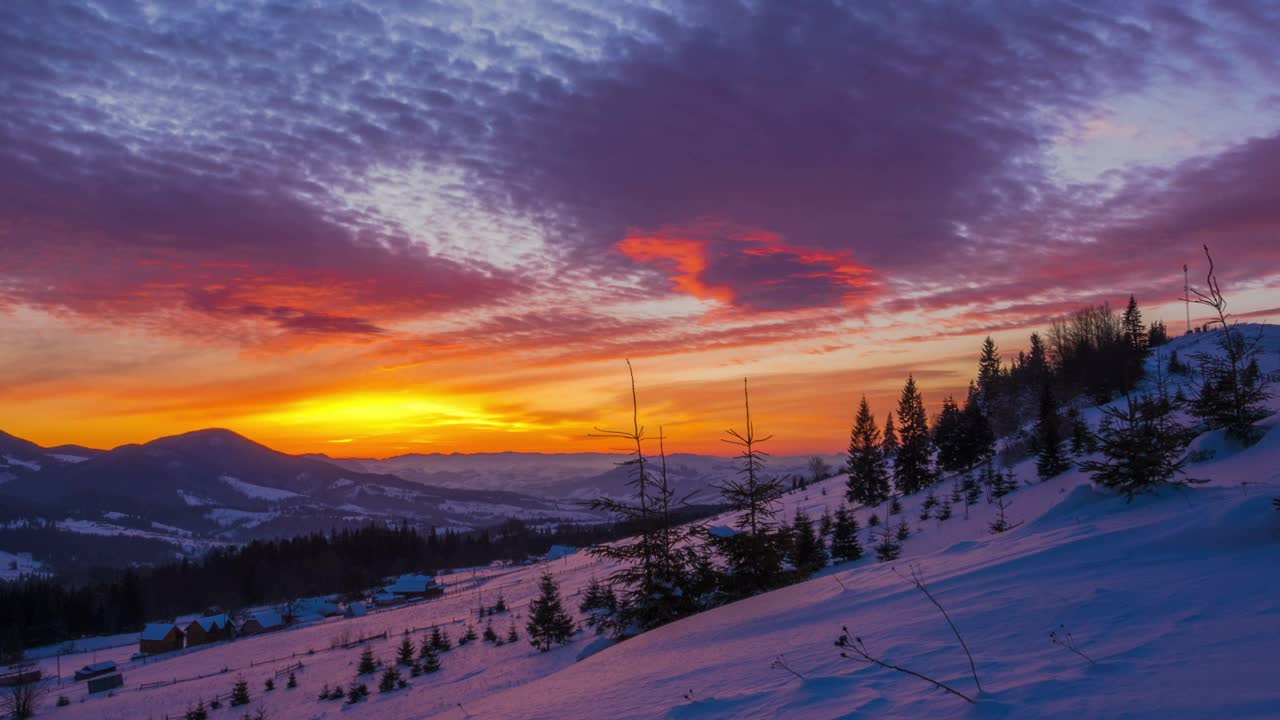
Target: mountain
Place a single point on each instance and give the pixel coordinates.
(569, 477)
(214, 486)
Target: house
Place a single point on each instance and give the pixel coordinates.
(314, 609)
(355, 610)
(387, 598)
(261, 622)
(208, 629)
(160, 638)
(414, 586)
(106, 682)
(94, 670)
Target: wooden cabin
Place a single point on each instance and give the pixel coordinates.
(212, 628)
(105, 682)
(160, 638)
(262, 621)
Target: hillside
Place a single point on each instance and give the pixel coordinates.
(1174, 597)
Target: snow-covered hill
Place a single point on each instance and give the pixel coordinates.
(1174, 597)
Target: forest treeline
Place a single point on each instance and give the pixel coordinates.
(40, 610)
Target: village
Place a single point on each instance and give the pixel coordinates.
(162, 640)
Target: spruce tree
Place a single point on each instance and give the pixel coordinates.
(390, 679)
(754, 554)
(404, 656)
(240, 692)
(430, 663)
(1143, 446)
(888, 549)
(868, 471)
(367, 662)
(489, 635)
(988, 371)
(549, 623)
(844, 537)
(979, 439)
(440, 640)
(949, 437)
(890, 442)
(656, 570)
(512, 635)
(1135, 333)
(808, 552)
(944, 510)
(903, 530)
(825, 524)
(599, 604)
(913, 468)
(1050, 459)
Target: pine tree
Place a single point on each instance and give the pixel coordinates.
(868, 471)
(512, 635)
(430, 663)
(1081, 438)
(903, 530)
(1142, 444)
(501, 605)
(549, 623)
(405, 655)
(895, 506)
(367, 663)
(888, 549)
(240, 692)
(825, 524)
(599, 604)
(1135, 333)
(913, 469)
(753, 555)
(890, 443)
(950, 438)
(979, 439)
(944, 510)
(808, 553)
(470, 634)
(390, 679)
(844, 537)
(1050, 460)
(269, 685)
(293, 681)
(489, 635)
(656, 570)
(988, 371)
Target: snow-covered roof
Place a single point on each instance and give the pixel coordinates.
(386, 597)
(158, 631)
(357, 609)
(558, 551)
(409, 584)
(213, 621)
(267, 618)
(722, 531)
(98, 667)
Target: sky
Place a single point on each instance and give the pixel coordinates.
(371, 228)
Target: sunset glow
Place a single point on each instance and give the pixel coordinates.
(455, 248)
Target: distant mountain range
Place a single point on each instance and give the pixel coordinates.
(182, 494)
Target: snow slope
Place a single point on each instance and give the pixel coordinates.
(1175, 596)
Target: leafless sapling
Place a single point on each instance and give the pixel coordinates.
(1062, 637)
(780, 663)
(853, 648)
(917, 579)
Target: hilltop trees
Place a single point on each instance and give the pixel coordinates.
(890, 443)
(549, 623)
(1142, 445)
(868, 471)
(913, 468)
(1234, 392)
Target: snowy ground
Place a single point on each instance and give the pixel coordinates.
(1174, 596)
